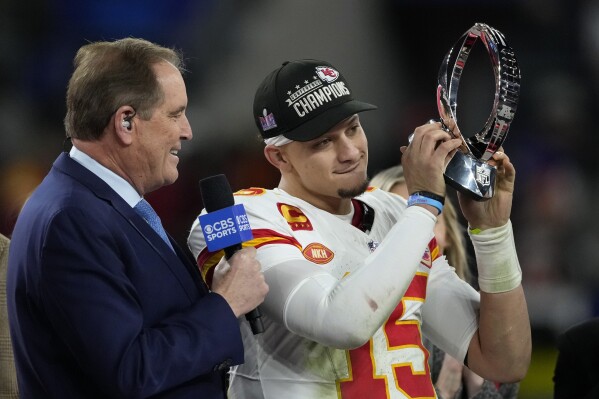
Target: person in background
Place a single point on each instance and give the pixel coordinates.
(8, 375)
(452, 380)
(577, 365)
(102, 302)
(355, 274)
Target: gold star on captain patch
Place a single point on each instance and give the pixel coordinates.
(305, 82)
(297, 86)
(289, 92)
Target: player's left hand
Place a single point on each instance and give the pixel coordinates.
(496, 211)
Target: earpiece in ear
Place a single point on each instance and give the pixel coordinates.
(126, 122)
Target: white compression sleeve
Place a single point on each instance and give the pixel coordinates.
(496, 258)
(346, 313)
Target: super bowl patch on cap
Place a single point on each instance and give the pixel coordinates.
(267, 120)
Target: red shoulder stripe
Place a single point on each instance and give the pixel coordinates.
(207, 260)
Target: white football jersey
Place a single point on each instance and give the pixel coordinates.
(393, 363)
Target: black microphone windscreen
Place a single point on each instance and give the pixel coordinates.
(216, 193)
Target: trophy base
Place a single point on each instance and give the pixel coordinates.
(471, 176)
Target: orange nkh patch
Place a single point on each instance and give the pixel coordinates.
(318, 253)
(295, 217)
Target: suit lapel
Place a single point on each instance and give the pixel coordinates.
(177, 262)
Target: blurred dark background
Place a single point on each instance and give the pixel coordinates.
(390, 51)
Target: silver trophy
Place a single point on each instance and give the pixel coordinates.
(468, 171)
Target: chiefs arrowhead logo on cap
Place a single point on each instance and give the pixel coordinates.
(327, 74)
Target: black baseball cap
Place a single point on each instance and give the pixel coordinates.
(304, 99)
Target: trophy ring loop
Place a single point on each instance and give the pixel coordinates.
(483, 144)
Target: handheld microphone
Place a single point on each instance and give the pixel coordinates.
(226, 226)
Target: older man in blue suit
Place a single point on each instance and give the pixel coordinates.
(102, 302)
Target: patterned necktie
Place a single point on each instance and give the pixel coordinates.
(145, 210)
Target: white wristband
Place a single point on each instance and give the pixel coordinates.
(496, 258)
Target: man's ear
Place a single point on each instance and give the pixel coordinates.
(123, 124)
(277, 157)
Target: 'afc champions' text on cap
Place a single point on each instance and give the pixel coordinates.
(304, 99)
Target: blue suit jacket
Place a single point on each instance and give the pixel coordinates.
(100, 307)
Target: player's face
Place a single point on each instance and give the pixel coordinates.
(331, 167)
(159, 139)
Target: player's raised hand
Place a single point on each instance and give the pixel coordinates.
(496, 211)
(424, 160)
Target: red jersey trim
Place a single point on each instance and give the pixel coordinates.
(207, 260)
